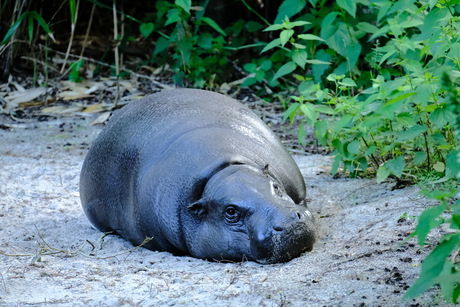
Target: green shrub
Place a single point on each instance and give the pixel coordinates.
(196, 42)
(394, 119)
(438, 267)
(387, 104)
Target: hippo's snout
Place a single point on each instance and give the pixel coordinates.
(296, 216)
(292, 231)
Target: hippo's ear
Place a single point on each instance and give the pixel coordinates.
(265, 170)
(198, 209)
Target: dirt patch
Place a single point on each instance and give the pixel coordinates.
(359, 260)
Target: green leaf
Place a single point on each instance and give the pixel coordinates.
(253, 26)
(213, 25)
(424, 91)
(266, 65)
(41, 22)
(382, 31)
(321, 132)
(289, 8)
(301, 134)
(317, 62)
(249, 82)
(310, 37)
(205, 41)
(74, 74)
(382, 173)
(300, 58)
(338, 37)
(370, 150)
(353, 147)
(30, 22)
(173, 16)
(320, 68)
(321, 127)
(353, 51)
(250, 67)
(347, 82)
(298, 46)
(438, 194)
(285, 35)
(328, 26)
(146, 29)
(274, 43)
(411, 133)
(400, 5)
(387, 55)
(452, 164)
(419, 157)
(298, 23)
(348, 5)
(439, 167)
(406, 119)
(411, 23)
(430, 108)
(337, 144)
(73, 9)
(384, 10)
(367, 27)
(161, 45)
(362, 163)
(285, 69)
(427, 221)
(432, 267)
(336, 164)
(325, 110)
(185, 47)
(290, 112)
(274, 27)
(396, 166)
(456, 292)
(184, 4)
(309, 110)
(441, 117)
(400, 97)
(343, 121)
(13, 28)
(433, 17)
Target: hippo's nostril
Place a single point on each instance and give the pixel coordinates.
(297, 215)
(278, 228)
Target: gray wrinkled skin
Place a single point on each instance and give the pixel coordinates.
(189, 168)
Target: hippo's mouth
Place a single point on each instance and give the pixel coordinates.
(285, 247)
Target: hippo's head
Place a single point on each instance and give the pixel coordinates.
(244, 214)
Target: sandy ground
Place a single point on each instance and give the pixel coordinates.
(359, 259)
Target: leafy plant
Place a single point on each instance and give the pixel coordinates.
(438, 267)
(298, 53)
(402, 118)
(74, 74)
(393, 121)
(30, 17)
(198, 55)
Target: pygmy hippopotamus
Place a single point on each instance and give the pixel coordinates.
(201, 175)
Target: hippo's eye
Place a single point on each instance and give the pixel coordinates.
(232, 214)
(277, 189)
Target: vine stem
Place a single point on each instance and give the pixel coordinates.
(90, 22)
(72, 33)
(254, 11)
(116, 55)
(427, 150)
(372, 155)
